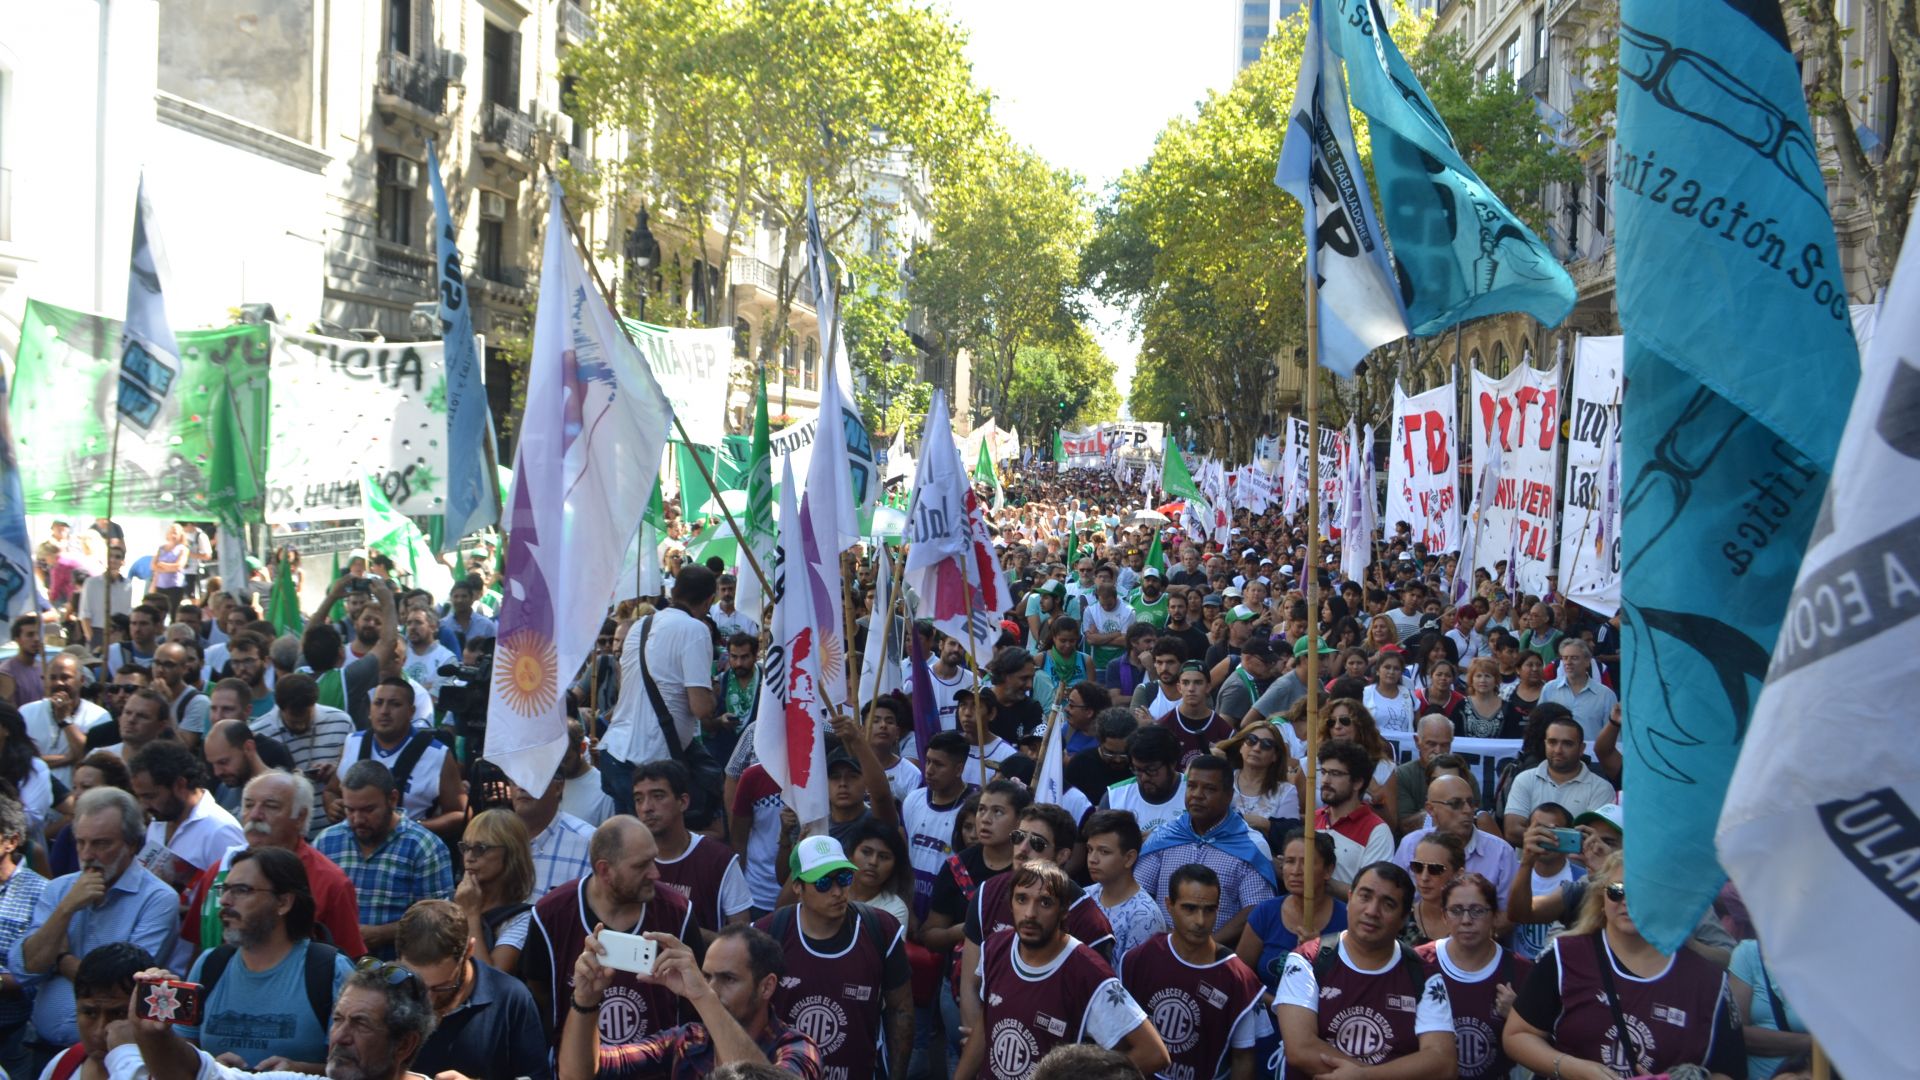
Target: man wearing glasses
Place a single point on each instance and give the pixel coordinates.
(1360, 838)
(848, 985)
(488, 1022)
(1450, 804)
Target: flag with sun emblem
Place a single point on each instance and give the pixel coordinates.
(591, 437)
(790, 738)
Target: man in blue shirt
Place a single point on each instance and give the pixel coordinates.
(111, 898)
(489, 1025)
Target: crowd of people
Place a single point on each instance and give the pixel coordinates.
(307, 828)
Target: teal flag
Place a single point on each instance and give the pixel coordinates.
(1740, 369)
(1459, 252)
(469, 507)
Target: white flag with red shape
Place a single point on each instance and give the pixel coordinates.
(790, 738)
(951, 564)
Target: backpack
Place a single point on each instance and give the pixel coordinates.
(1411, 965)
(319, 977)
(417, 745)
(781, 921)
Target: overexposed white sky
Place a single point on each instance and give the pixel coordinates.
(1090, 84)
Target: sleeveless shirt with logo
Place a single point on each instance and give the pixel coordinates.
(1027, 1016)
(1193, 743)
(1195, 1009)
(1369, 1016)
(992, 911)
(696, 876)
(1670, 1018)
(837, 1000)
(1475, 1031)
(630, 1010)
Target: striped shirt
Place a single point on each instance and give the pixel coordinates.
(560, 853)
(17, 897)
(137, 907)
(410, 865)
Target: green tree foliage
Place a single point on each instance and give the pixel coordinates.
(1066, 385)
(1001, 273)
(873, 316)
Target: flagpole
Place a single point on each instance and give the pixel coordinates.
(586, 256)
(1311, 572)
(893, 601)
(846, 621)
(973, 660)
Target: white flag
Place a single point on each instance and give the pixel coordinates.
(1821, 824)
(951, 565)
(1050, 772)
(1357, 521)
(880, 671)
(790, 737)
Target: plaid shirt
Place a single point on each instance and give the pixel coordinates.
(17, 897)
(411, 865)
(686, 1053)
(560, 853)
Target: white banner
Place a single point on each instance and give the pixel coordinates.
(1484, 757)
(796, 439)
(1590, 521)
(1136, 442)
(1294, 475)
(1523, 411)
(1423, 474)
(342, 411)
(692, 366)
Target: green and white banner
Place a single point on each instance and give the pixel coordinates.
(63, 414)
(693, 367)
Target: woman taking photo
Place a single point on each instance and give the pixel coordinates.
(1437, 860)
(1262, 790)
(1481, 976)
(1483, 712)
(496, 891)
(1388, 699)
(1599, 989)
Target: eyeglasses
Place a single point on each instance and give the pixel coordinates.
(1262, 744)
(1469, 912)
(1116, 757)
(1421, 869)
(240, 891)
(1033, 840)
(839, 879)
(1334, 774)
(474, 849)
(1617, 892)
(118, 688)
(1456, 804)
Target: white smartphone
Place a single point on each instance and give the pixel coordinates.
(628, 952)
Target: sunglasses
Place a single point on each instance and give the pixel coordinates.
(1617, 892)
(1421, 869)
(1340, 721)
(839, 879)
(1262, 744)
(1033, 840)
(393, 973)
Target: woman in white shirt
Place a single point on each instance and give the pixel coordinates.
(1264, 780)
(883, 875)
(1390, 702)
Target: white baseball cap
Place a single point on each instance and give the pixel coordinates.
(817, 856)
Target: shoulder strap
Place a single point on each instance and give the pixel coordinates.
(656, 699)
(216, 966)
(1415, 968)
(319, 975)
(1628, 1044)
(1773, 996)
(492, 920)
(69, 1061)
(1327, 956)
(417, 745)
(870, 926)
(781, 922)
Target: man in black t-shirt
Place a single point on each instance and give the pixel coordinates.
(1094, 770)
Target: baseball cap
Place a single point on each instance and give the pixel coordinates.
(1241, 613)
(1608, 812)
(1300, 647)
(1231, 592)
(1287, 569)
(839, 756)
(1151, 571)
(1213, 599)
(1247, 554)
(1260, 647)
(1053, 588)
(817, 856)
(1406, 556)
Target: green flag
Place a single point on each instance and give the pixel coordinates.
(983, 470)
(233, 487)
(1157, 558)
(760, 534)
(1073, 547)
(1059, 449)
(392, 533)
(1174, 477)
(283, 603)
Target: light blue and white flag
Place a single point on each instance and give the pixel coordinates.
(1740, 369)
(470, 504)
(149, 356)
(1359, 303)
(1459, 252)
(591, 437)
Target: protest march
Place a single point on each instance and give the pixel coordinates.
(602, 713)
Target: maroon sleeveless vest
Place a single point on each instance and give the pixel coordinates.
(1194, 1008)
(836, 1000)
(1025, 1018)
(696, 879)
(630, 1010)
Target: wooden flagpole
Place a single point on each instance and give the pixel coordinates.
(893, 602)
(1310, 767)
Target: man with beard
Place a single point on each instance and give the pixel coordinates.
(111, 898)
(346, 680)
(1161, 696)
(174, 667)
(392, 862)
(247, 658)
(622, 894)
(425, 655)
(274, 810)
(1183, 622)
(1151, 602)
(1157, 790)
(381, 1018)
(190, 831)
(234, 753)
(848, 985)
(949, 677)
(1039, 988)
(489, 1025)
(427, 774)
(266, 992)
(731, 993)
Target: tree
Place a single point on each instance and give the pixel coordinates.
(1067, 385)
(873, 316)
(1001, 272)
(738, 103)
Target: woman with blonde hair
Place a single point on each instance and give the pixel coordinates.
(1599, 991)
(496, 891)
(1483, 712)
(1381, 635)
(1264, 782)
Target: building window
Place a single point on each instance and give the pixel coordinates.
(810, 372)
(742, 338)
(572, 109)
(1511, 56)
(398, 177)
(1539, 36)
(1599, 204)
(501, 52)
(490, 254)
(1572, 210)
(400, 26)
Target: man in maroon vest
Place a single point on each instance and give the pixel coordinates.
(699, 869)
(1358, 998)
(621, 894)
(846, 969)
(1041, 988)
(1203, 1000)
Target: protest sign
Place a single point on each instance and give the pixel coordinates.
(1522, 410)
(344, 411)
(1134, 442)
(1484, 757)
(1590, 521)
(1294, 473)
(693, 367)
(796, 440)
(1423, 478)
(65, 389)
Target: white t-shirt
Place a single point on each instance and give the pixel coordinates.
(997, 751)
(943, 693)
(1298, 987)
(903, 778)
(48, 737)
(679, 657)
(1390, 713)
(584, 798)
(424, 668)
(1101, 621)
(205, 835)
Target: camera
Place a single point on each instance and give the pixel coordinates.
(465, 702)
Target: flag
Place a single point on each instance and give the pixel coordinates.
(984, 472)
(1483, 491)
(1176, 480)
(1740, 369)
(1357, 514)
(758, 526)
(951, 565)
(1359, 303)
(1049, 771)
(640, 573)
(1059, 452)
(233, 488)
(856, 454)
(469, 503)
(880, 670)
(149, 355)
(1156, 555)
(1823, 835)
(19, 588)
(591, 435)
(1072, 551)
(790, 737)
(283, 602)
(926, 711)
(391, 533)
(1459, 252)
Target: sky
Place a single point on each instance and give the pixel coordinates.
(1090, 84)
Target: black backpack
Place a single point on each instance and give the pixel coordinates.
(319, 977)
(1411, 965)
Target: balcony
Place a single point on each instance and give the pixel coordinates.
(403, 266)
(1534, 82)
(576, 26)
(411, 87)
(504, 286)
(577, 159)
(506, 134)
(763, 275)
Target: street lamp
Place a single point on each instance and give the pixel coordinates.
(643, 254)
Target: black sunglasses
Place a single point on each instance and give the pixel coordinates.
(1617, 892)
(1419, 868)
(1032, 839)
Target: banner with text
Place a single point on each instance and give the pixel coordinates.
(1522, 410)
(693, 367)
(796, 439)
(344, 411)
(1590, 521)
(62, 406)
(1295, 476)
(1134, 442)
(1423, 478)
